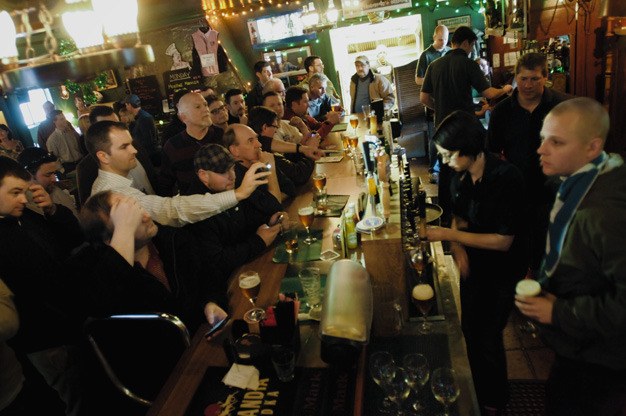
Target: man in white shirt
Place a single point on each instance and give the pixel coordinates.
(110, 144)
(64, 142)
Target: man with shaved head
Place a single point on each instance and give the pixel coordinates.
(177, 168)
(582, 311)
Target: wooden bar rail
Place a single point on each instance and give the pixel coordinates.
(384, 261)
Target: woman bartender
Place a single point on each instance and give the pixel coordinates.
(488, 243)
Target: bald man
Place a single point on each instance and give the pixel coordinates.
(243, 143)
(435, 51)
(274, 85)
(177, 169)
(582, 311)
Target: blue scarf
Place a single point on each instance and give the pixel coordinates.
(571, 193)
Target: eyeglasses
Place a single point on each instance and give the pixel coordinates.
(217, 110)
(273, 125)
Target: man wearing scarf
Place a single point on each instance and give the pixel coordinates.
(582, 310)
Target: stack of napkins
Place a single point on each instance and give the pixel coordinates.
(242, 377)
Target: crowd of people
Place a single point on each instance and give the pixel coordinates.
(163, 219)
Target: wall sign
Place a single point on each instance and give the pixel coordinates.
(360, 8)
(452, 23)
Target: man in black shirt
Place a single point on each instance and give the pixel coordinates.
(236, 106)
(448, 87)
(514, 133)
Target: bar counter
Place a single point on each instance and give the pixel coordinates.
(379, 251)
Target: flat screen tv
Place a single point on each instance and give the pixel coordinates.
(276, 30)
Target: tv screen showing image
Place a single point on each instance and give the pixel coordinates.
(276, 29)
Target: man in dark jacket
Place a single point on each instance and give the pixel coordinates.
(240, 234)
(33, 249)
(582, 311)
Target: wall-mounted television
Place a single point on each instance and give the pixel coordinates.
(277, 29)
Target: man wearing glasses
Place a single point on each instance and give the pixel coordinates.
(177, 167)
(219, 112)
(514, 134)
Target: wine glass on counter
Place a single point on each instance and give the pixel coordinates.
(250, 285)
(423, 297)
(445, 387)
(319, 181)
(397, 389)
(354, 122)
(417, 374)
(382, 369)
(306, 215)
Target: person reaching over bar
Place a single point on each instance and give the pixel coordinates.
(110, 143)
(582, 311)
(488, 242)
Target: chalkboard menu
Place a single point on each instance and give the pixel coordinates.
(147, 89)
(179, 79)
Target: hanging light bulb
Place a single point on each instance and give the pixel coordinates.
(332, 14)
(8, 50)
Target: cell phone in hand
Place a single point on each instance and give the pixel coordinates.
(265, 168)
(278, 220)
(216, 327)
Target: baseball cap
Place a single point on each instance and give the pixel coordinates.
(132, 99)
(362, 59)
(32, 158)
(213, 157)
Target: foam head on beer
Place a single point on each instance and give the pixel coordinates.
(422, 292)
(528, 287)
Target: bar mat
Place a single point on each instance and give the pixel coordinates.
(335, 204)
(435, 349)
(292, 285)
(313, 391)
(527, 398)
(306, 252)
(340, 127)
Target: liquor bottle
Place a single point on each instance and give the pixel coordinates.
(350, 230)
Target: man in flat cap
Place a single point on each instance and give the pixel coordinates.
(366, 86)
(241, 233)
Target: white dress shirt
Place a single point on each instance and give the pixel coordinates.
(176, 211)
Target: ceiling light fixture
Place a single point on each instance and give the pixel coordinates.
(105, 39)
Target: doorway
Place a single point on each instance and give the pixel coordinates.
(398, 39)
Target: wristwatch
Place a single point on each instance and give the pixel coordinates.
(297, 147)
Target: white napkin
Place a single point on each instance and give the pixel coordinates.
(242, 377)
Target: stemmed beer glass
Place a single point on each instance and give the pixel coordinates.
(250, 285)
(382, 369)
(445, 387)
(417, 374)
(306, 215)
(423, 297)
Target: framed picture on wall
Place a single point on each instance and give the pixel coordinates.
(111, 81)
(452, 23)
(287, 60)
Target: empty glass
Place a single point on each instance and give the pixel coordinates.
(382, 368)
(311, 285)
(417, 373)
(445, 387)
(397, 389)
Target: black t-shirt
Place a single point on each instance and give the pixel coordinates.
(514, 132)
(450, 79)
(494, 204)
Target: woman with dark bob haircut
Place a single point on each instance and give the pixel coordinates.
(489, 245)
